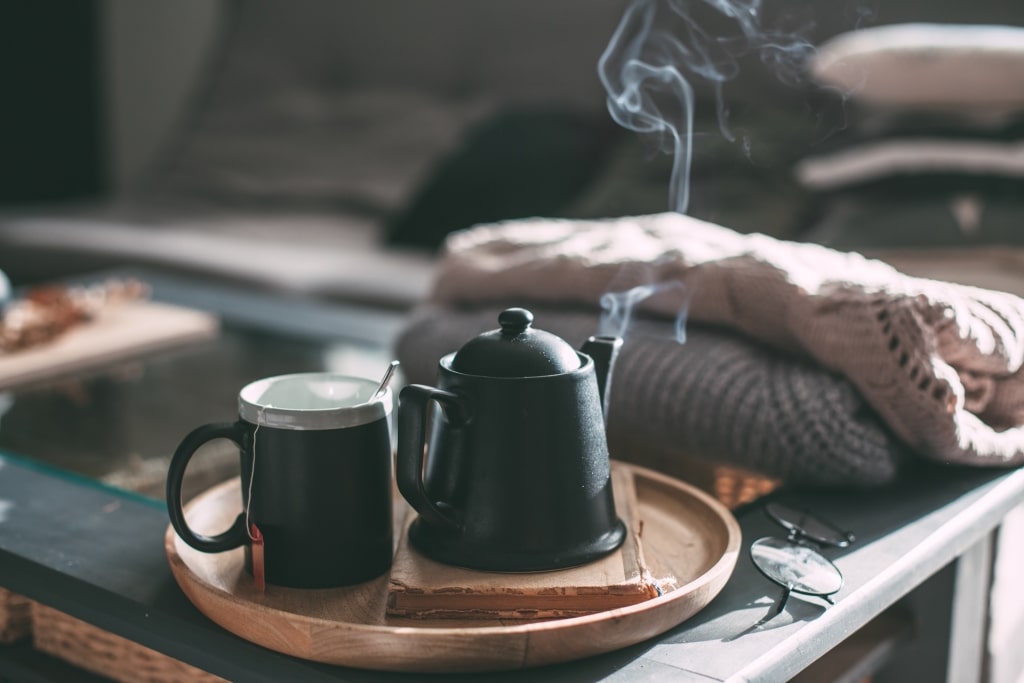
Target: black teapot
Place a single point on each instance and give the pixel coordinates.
(517, 475)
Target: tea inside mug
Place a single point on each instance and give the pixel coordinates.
(313, 401)
(309, 393)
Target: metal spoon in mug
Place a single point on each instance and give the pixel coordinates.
(392, 366)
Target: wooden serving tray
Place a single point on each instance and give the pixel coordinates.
(687, 535)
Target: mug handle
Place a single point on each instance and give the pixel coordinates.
(412, 412)
(237, 534)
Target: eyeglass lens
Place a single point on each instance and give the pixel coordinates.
(802, 524)
(796, 567)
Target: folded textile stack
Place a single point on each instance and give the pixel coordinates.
(799, 361)
(718, 398)
(934, 153)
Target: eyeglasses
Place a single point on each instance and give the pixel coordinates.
(792, 562)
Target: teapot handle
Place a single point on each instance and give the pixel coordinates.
(412, 411)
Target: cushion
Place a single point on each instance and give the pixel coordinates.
(922, 65)
(521, 162)
(933, 156)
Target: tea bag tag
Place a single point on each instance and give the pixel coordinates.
(257, 558)
(255, 535)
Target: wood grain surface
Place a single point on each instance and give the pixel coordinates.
(689, 540)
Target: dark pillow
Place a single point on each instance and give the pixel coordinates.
(521, 162)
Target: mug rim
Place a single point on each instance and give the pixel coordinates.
(314, 418)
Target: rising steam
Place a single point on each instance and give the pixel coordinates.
(661, 45)
(619, 307)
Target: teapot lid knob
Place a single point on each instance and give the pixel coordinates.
(515, 350)
(514, 321)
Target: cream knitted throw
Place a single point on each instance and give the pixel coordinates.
(939, 362)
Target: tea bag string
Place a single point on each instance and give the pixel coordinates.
(252, 474)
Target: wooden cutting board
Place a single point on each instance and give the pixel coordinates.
(118, 332)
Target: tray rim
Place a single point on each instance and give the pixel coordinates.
(719, 572)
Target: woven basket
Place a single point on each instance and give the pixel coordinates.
(733, 486)
(15, 616)
(106, 654)
(91, 648)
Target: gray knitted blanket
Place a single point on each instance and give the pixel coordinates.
(719, 397)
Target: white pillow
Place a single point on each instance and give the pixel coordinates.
(927, 66)
(912, 156)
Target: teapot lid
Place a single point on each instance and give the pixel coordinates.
(516, 350)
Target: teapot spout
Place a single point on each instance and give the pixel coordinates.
(603, 350)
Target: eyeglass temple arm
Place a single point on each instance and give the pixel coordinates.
(780, 604)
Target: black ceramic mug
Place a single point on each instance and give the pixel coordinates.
(316, 479)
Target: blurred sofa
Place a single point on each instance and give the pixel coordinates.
(330, 146)
(315, 125)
